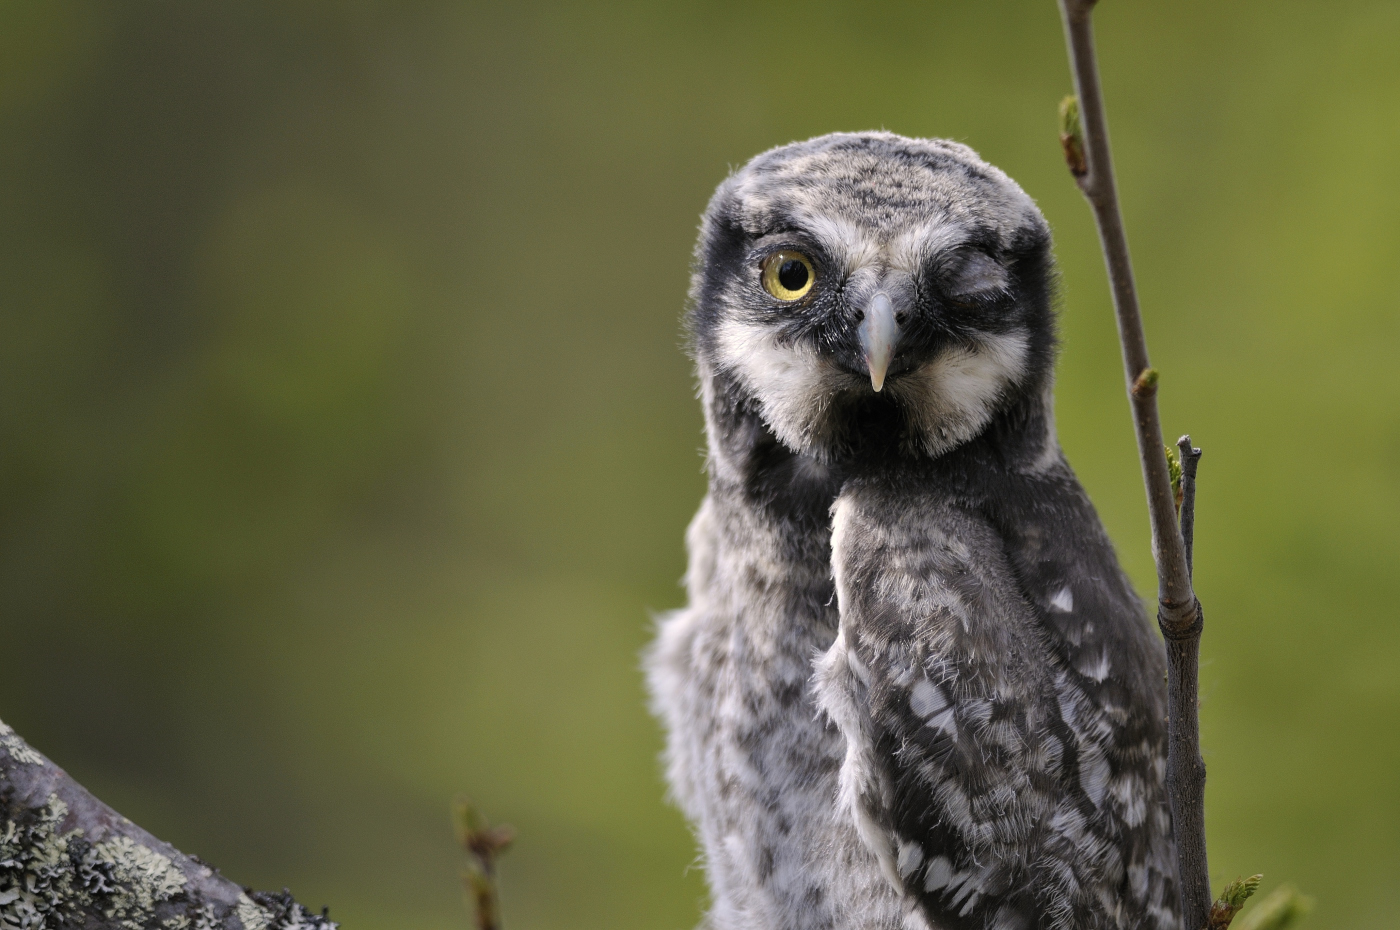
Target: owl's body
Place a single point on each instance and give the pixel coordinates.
(912, 687)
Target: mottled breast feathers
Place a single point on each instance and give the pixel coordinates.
(1000, 786)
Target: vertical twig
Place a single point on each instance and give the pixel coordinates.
(482, 843)
(1178, 612)
(1190, 458)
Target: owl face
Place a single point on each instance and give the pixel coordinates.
(868, 290)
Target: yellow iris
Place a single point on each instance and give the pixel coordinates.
(788, 275)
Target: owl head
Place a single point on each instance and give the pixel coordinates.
(864, 291)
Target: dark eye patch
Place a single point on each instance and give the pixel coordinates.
(975, 274)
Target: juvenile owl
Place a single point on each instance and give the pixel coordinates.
(913, 688)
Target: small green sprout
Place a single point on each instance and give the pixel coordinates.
(1072, 136)
(1145, 384)
(1234, 895)
(1174, 471)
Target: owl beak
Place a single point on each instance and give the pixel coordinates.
(878, 332)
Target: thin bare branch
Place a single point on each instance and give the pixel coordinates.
(1178, 612)
(483, 843)
(1101, 191)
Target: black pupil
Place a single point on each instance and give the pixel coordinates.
(793, 275)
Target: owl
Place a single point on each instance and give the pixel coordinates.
(912, 687)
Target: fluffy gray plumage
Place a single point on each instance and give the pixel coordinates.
(913, 687)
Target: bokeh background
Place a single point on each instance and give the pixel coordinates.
(346, 440)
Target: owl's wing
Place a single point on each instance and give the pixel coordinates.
(998, 785)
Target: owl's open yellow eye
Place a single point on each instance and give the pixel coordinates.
(788, 275)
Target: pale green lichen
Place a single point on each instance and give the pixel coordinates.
(48, 879)
(41, 880)
(282, 912)
(253, 917)
(151, 877)
(17, 748)
(204, 919)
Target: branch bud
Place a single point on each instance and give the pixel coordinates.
(1231, 899)
(1145, 384)
(1072, 137)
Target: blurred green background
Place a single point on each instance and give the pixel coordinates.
(346, 443)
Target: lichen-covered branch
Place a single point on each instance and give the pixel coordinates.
(68, 860)
(1084, 135)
